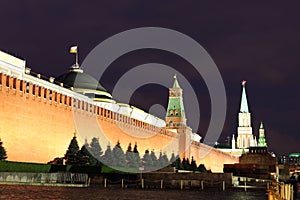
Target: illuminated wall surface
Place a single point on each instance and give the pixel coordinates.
(35, 127)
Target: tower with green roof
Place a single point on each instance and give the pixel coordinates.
(262, 139)
(176, 119)
(175, 116)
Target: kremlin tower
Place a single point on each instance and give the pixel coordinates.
(176, 120)
(245, 137)
(175, 116)
(262, 139)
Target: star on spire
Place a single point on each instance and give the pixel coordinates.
(244, 83)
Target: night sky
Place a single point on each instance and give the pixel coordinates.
(258, 42)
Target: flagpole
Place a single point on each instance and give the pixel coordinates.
(76, 56)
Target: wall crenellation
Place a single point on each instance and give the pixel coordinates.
(35, 92)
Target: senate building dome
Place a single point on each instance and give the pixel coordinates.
(84, 84)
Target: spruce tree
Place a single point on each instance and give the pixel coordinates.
(108, 156)
(160, 160)
(154, 159)
(193, 164)
(3, 155)
(178, 164)
(129, 148)
(147, 159)
(84, 156)
(202, 168)
(118, 156)
(71, 154)
(95, 150)
(172, 159)
(128, 154)
(137, 155)
(163, 160)
(186, 164)
(135, 150)
(130, 157)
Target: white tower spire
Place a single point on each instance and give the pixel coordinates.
(245, 137)
(244, 103)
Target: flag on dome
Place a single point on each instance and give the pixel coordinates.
(73, 49)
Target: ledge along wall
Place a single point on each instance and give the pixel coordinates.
(37, 124)
(47, 179)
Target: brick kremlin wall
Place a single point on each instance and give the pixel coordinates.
(37, 124)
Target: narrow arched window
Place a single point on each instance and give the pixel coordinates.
(176, 112)
(171, 112)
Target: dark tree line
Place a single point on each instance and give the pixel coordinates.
(185, 164)
(92, 154)
(89, 154)
(3, 155)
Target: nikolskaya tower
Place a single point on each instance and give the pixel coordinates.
(245, 137)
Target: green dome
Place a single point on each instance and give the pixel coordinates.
(294, 155)
(84, 84)
(81, 80)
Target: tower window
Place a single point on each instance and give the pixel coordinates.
(1, 79)
(171, 112)
(176, 112)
